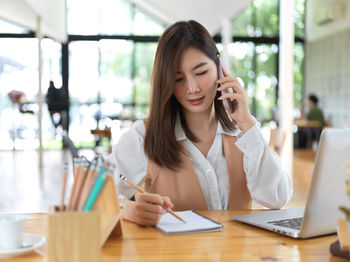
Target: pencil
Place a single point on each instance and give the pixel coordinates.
(79, 168)
(143, 191)
(76, 164)
(89, 182)
(64, 185)
(105, 171)
(80, 182)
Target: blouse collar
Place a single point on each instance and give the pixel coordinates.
(180, 133)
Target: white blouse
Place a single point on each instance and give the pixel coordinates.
(267, 183)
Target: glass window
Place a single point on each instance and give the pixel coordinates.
(51, 63)
(256, 65)
(83, 71)
(19, 61)
(116, 75)
(146, 25)
(19, 84)
(242, 25)
(298, 75)
(242, 57)
(115, 65)
(144, 53)
(51, 71)
(299, 16)
(83, 90)
(100, 84)
(260, 18)
(19, 90)
(259, 67)
(267, 17)
(241, 54)
(100, 68)
(266, 81)
(109, 17)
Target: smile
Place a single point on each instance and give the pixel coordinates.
(196, 101)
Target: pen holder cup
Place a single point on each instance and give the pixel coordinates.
(74, 236)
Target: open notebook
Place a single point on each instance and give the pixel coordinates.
(195, 223)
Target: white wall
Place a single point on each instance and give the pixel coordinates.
(314, 31)
(327, 74)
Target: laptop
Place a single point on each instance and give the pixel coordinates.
(326, 193)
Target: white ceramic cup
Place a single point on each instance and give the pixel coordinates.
(12, 229)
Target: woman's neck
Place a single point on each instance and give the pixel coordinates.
(201, 123)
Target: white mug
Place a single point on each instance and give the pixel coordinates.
(12, 229)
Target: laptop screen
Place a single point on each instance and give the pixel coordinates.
(327, 188)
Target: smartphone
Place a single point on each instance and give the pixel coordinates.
(229, 104)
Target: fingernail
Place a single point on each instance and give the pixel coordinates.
(221, 98)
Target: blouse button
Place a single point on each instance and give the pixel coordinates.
(209, 171)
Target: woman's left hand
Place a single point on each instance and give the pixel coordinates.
(241, 113)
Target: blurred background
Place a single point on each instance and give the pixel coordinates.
(106, 63)
(109, 55)
(99, 56)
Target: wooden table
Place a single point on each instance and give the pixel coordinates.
(303, 123)
(237, 242)
(311, 128)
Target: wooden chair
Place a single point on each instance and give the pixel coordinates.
(102, 133)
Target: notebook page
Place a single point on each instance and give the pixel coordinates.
(194, 223)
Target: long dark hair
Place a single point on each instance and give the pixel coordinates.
(160, 141)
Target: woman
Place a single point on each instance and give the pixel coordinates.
(190, 153)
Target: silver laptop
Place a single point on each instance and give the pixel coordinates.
(326, 194)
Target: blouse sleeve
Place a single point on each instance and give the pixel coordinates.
(129, 159)
(268, 184)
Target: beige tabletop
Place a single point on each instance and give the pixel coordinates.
(237, 242)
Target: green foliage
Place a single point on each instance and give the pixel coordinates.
(261, 19)
(299, 15)
(298, 74)
(120, 65)
(242, 24)
(267, 17)
(145, 53)
(115, 58)
(257, 68)
(52, 144)
(266, 83)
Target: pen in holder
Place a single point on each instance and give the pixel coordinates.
(75, 235)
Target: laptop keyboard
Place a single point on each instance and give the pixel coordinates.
(294, 223)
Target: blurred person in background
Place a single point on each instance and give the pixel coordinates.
(315, 113)
(58, 102)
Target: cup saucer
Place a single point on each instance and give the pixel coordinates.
(30, 243)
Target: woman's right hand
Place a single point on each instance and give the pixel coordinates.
(147, 209)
